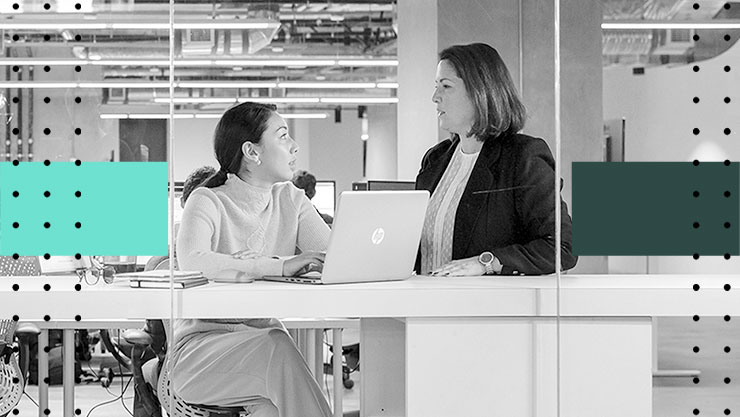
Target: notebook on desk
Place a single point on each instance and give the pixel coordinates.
(161, 279)
(375, 237)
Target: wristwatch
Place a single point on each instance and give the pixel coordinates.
(487, 260)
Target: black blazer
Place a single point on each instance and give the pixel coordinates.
(507, 206)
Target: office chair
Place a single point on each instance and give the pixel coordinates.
(15, 339)
(11, 375)
(121, 350)
(13, 362)
(149, 343)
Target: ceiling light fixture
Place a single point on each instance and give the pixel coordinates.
(368, 62)
(304, 115)
(196, 62)
(229, 84)
(157, 25)
(649, 25)
(280, 100)
(360, 100)
(196, 100)
(387, 85)
(275, 62)
(65, 85)
(325, 85)
(200, 115)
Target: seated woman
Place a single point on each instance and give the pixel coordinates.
(247, 221)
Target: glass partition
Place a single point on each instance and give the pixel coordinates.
(635, 110)
(329, 70)
(653, 193)
(74, 214)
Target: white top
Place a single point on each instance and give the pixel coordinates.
(439, 223)
(237, 216)
(273, 222)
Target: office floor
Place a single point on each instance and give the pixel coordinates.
(672, 397)
(109, 404)
(677, 338)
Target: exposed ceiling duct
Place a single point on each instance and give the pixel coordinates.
(665, 46)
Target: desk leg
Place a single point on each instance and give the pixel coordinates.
(310, 350)
(337, 362)
(68, 372)
(383, 375)
(43, 371)
(318, 364)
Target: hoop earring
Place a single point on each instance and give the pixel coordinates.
(258, 162)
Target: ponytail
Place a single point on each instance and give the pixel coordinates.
(216, 180)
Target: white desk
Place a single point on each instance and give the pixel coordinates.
(439, 347)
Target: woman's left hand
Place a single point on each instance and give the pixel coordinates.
(461, 268)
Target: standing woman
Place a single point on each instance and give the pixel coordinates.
(492, 209)
(247, 221)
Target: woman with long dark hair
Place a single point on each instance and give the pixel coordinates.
(247, 221)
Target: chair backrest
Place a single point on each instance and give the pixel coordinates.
(11, 377)
(156, 327)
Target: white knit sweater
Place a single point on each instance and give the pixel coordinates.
(217, 222)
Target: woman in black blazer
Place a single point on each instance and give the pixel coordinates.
(492, 209)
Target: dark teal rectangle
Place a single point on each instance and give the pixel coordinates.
(649, 208)
(122, 208)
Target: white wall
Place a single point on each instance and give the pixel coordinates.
(382, 146)
(417, 66)
(336, 149)
(660, 117)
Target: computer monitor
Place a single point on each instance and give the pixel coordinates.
(325, 198)
(383, 185)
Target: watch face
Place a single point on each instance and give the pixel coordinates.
(486, 258)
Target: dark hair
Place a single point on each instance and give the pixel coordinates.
(245, 122)
(498, 109)
(306, 182)
(195, 180)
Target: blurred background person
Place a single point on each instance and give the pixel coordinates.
(195, 180)
(307, 182)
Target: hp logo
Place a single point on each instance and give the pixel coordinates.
(378, 236)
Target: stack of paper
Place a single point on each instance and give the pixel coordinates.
(161, 279)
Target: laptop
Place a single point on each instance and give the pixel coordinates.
(375, 237)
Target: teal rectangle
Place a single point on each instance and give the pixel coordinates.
(649, 208)
(122, 208)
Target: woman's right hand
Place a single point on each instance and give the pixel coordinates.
(303, 263)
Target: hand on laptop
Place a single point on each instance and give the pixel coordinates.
(303, 263)
(460, 268)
